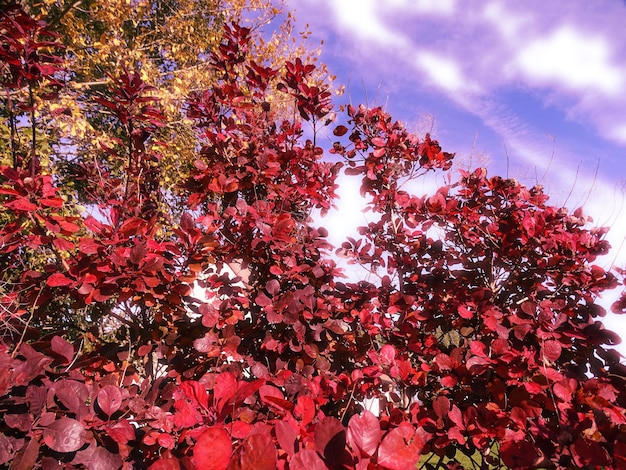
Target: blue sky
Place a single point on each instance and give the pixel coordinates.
(534, 89)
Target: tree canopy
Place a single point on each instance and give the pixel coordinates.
(205, 323)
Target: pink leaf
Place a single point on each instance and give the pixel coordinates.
(96, 457)
(364, 433)
(551, 350)
(399, 451)
(307, 460)
(62, 348)
(64, 435)
(388, 354)
(286, 436)
(109, 399)
(272, 287)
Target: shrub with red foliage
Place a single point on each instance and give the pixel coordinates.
(480, 333)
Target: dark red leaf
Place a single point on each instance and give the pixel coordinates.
(520, 454)
(27, 456)
(340, 131)
(441, 406)
(62, 348)
(589, 453)
(330, 432)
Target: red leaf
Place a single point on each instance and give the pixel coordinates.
(109, 399)
(399, 451)
(307, 460)
(286, 436)
(225, 389)
(456, 416)
(21, 204)
(387, 354)
(257, 453)
(165, 464)
(551, 350)
(364, 433)
(443, 361)
(88, 246)
(52, 202)
(465, 313)
(196, 391)
(131, 226)
(121, 432)
(62, 244)
(305, 409)
(262, 300)
(64, 435)
(619, 306)
(213, 449)
(58, 280)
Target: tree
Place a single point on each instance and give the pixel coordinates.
(167, 42)
(220, 336)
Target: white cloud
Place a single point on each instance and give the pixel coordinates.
(444, 72)
(438, 7)
(618, 133)
(571, 59)
(509, 24)
(363, 18)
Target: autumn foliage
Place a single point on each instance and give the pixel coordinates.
(223, 335)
